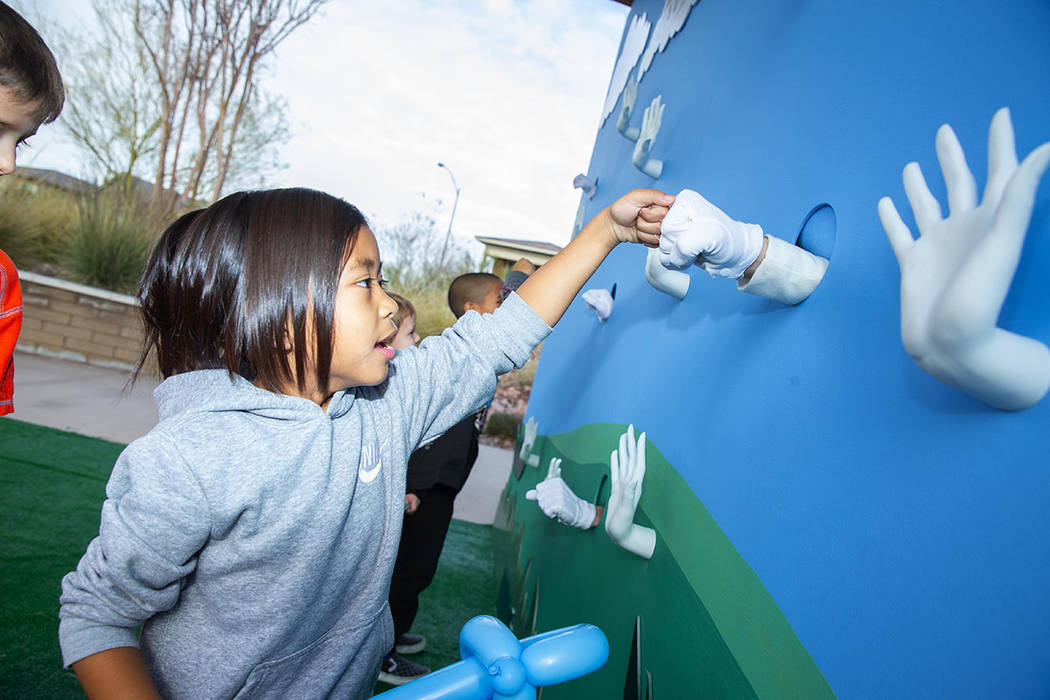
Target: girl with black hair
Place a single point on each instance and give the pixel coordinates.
(252, 533)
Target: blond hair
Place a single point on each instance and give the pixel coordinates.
(404, 308)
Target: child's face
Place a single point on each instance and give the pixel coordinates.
(487, 305)
(363, 324)
(406, 334)
(17, 123)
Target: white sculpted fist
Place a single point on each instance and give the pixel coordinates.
(696, 231)
(600, 301)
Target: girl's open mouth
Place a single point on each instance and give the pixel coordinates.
(386, 350)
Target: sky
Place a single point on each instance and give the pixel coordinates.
(507, 93)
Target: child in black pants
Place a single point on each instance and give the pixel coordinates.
(436, 473)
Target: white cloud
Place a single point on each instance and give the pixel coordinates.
(506, 94)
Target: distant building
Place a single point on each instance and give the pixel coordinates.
(507, 251)
(42, 180)
(141, 191)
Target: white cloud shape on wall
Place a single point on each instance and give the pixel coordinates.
(671, 21)
(633, 45)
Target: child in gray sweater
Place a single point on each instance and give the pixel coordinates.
(252, 533)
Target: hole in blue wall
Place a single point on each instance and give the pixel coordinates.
(817, 233)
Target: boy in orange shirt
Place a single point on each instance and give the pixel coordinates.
(10, 324)
(31, 94)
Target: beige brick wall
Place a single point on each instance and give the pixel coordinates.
(77, 322)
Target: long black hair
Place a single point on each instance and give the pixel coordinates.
(233, 286)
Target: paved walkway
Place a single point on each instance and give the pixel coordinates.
(92, 401)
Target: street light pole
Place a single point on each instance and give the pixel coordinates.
(448, 235)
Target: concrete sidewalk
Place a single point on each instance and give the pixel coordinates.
(91, 401)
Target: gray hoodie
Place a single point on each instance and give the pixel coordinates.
(253, 534)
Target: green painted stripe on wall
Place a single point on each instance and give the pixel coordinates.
(727, 590)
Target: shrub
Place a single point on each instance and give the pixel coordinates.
(503, 424)
(430, 299)
(35, 227)
(524, 377)
(428, 291)
(420, 268)
(109, 245)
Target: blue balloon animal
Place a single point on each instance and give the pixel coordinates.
(496, 665)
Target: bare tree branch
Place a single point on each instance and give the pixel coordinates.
(187, 102)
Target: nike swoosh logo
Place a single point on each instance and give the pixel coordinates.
(368, 475)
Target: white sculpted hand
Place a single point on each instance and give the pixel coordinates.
(651, 120)
(557, 500)
(527, 442)
(955, 276)
(600, 301)
(554, 468)
(663, 279)
(627, 467)
(630, 94)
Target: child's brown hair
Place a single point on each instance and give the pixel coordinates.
(404, 308)
(28, 68)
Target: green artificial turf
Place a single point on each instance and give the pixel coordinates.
(52, 484)
(463, 587)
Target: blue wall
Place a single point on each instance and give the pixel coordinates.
(900, 525)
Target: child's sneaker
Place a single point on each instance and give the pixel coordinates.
(410, 644)
(397, 670)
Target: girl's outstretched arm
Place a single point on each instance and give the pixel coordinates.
(634, 218)
(115, 673)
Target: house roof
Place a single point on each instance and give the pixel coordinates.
(512, 249)
(56, 179)
(541, 247)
